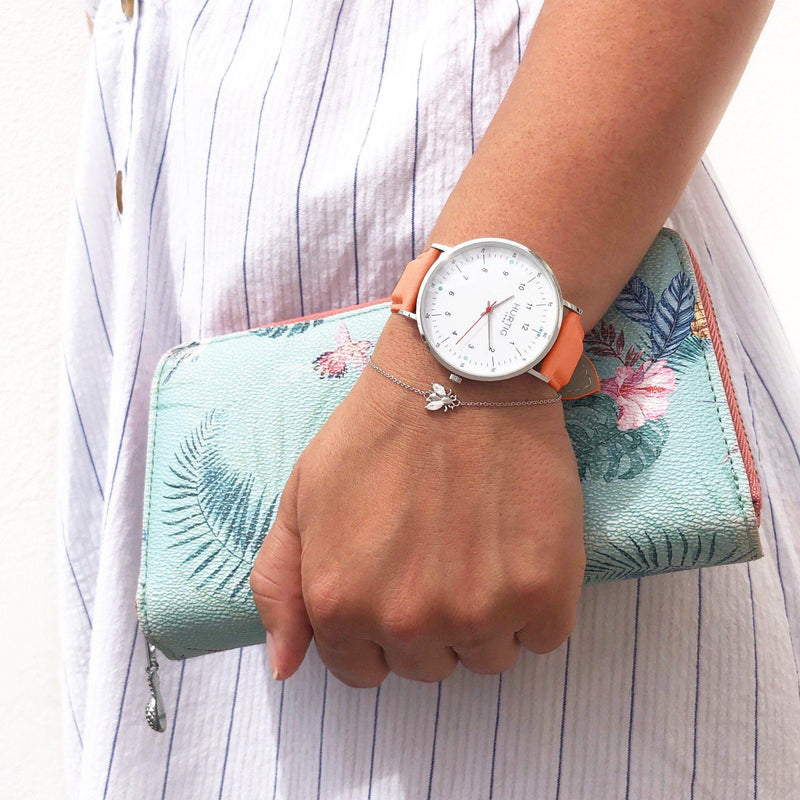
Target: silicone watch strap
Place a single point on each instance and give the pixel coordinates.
(560, 361)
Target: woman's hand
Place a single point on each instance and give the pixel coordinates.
(408, 539)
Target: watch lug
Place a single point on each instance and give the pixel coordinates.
(441, 247)
(409, 314)
(537, 374)
(572, 306)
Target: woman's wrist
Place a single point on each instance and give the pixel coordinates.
(598, 135)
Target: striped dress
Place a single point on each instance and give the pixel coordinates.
(279, 158)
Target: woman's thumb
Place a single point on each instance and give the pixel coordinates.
(277, 590)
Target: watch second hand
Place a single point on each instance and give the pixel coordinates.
(483, 314)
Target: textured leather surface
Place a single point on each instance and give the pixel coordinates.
(664, 482)
(560, 362)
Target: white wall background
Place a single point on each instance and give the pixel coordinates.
(43, 50)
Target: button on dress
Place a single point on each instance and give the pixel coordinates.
(246, 162)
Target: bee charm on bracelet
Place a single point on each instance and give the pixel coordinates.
(441, 398)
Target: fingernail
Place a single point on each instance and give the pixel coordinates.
(271, 656)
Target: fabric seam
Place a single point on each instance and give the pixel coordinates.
(708, 370)
(742, 438)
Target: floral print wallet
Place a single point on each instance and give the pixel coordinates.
(668, 478)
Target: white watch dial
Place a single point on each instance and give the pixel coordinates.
(489, 309)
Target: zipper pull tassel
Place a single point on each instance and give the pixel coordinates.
(156, 712)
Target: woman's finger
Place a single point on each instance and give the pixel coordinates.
(420, 661)
(357, 662)
(492, 657)
(276, 587)
(550, 630)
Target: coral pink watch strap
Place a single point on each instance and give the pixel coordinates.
(405, 292)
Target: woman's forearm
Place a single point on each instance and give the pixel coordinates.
(611, 108)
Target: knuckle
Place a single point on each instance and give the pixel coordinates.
(325, 603)
(534, 590)
(474, 621)
(405, 622)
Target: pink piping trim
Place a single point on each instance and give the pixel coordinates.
(328, 313)
(736, 414)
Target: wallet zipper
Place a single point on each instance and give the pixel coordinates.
(156, 711)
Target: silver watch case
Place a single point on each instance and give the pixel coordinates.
(451, 252)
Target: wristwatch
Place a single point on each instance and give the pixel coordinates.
(490, 309)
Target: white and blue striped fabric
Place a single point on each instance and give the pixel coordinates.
(285, 157)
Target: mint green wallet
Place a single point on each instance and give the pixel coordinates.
(668, 478)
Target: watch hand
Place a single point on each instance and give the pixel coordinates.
(488, 309)
(494, 305)
(489, 325)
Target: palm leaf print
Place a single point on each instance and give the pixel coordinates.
(218, 516)
(289, 329)
(630, 559)
(691, 350)
(636, 301)
(673, 318)
(669, 321)
(177, 355)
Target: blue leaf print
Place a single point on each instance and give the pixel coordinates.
(673, 317)
(614, 562)
(177, 355)
(217, 516)
(636, 301)
(289, 329)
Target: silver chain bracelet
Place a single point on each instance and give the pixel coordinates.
(439, 397)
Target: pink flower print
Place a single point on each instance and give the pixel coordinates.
(334, 363)
(641, 393)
